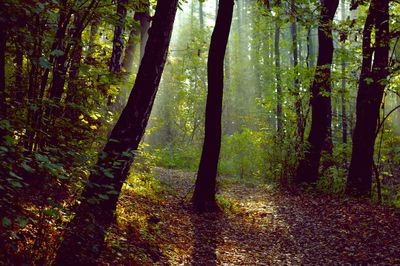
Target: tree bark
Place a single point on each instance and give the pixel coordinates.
(371, 87)
(278, 78)
(204, 194)
(19, 74)
(118, 41)
(85, 234)
(296, 81)
(143, 19)
(73, 77)
(307, 171)
(201, 15)
(3, 41)
(144, 29)
(343, 92)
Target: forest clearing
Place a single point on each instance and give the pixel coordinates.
(199, 132)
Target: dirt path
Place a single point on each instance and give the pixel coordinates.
(258, 227)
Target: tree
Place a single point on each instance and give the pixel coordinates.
(296, 82)
(278, 79)
(118, 41)
(371, 87)
(204, 194)
(3, 42)
(307, 170)
(85, 234)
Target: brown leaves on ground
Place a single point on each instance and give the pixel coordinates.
(263, 227)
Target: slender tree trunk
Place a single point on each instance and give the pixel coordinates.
(296, 81)
(60, 67)
(343, 92)
(19, 74)
(201, 15)
(3, 41)
(144, 32)
(132, 42)
(372, 84)
(204, 194)
(310, 48)
(115, 64)
(73, 96)
(307, 171)
(127, 62)
(33, 86)
(278, 80)
(85, 234)
(94, 28)
(118, 41)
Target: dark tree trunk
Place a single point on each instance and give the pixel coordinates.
(370, 92)
(19, 74)
(307, 171)
(60, 62)
(58, 43)
(204, 194)
(118, 41)
(73, 96)
(3, 40)
(33, 85)
(85, 235)
(115, 64)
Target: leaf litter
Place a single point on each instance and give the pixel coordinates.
(258, 226)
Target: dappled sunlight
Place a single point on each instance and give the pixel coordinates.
(257, 226)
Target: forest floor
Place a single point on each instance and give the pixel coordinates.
(258, 226)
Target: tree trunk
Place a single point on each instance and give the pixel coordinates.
(296, 81)
(73, 77)
(343, 92)
(94, 28)
(310, 48)
(118, 41)
(144, 32)
(201, 15)
(307, 171)
(19, 74)
(85, 234)
(3, 41)
(142, 20)
(370, 92)
(278, 81)
(204, 194)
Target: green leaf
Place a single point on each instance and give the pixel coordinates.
(62, 177)
(27, 167)
(51, 212)
(57, 53)
(108, 173)
(15, 183)
(103, 196)
(6, 222)
(42, 158)
(22, 221)
(15, 175)
(43, 62)
(112, 192)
